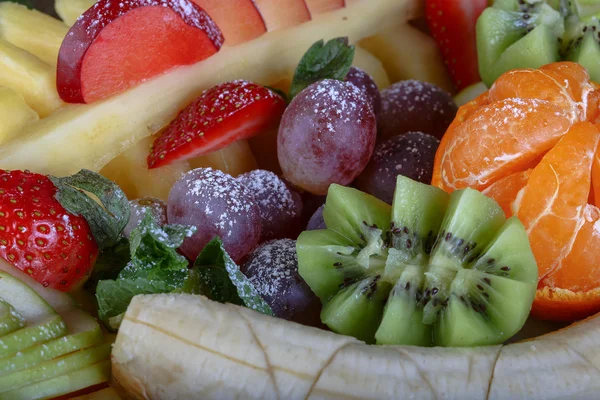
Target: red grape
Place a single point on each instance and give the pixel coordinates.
(413, 106)
(217, 205)
(364, 82)
(138, 211)
(273, 269)
(316, 221)
(411, 155)
(327, 135)
(280, 206)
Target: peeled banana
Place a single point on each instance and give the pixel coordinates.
(188, 347)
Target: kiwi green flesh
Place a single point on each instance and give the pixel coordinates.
(588, 54)
(356, 310)
(418, 310)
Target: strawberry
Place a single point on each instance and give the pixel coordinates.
(40, 237)
(452, 25)
(228, 112)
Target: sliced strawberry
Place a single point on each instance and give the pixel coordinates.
(228, 112)
(118, 44)
(40, 237)
(452, 25)
(239, 20)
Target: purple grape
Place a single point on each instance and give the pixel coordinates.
(327, 135)
(364, 82)
(273, 270)
(413, 106)
(217, 205)
(280, 206)
(411, 155)
(157, 207)
(316, 221)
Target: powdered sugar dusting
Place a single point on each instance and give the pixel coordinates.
(272, 266)
(138, 211)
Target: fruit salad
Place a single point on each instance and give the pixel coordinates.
(255, 198)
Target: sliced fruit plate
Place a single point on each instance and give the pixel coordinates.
(283, 199)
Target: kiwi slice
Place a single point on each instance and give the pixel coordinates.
(433, 269)
(531, 33)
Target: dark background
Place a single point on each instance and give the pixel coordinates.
(46, 6)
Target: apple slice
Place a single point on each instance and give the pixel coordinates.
(55, 367)
(31, 30)
(73, 381)
(116, 45)
(10, 319)
(281, 14)
(239, 20)
(320, 6)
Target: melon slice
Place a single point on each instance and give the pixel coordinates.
(89, 136)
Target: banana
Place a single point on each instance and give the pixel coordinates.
(89, 136)
(14, 114)
(187, 347)
(31, 30)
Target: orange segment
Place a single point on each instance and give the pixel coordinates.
(505, 190)
(595, 192)
(564, 305)
(556, 194)
(497, 140)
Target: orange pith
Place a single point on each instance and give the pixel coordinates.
(531, 144)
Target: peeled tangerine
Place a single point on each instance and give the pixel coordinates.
(531, 143)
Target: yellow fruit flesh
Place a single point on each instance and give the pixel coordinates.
(89, 136)
(31, 77)
(235, 159)
(366, 61)
(15, 114)
(31, 30)
(408, 53)
(70, 10)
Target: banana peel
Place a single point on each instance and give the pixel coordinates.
(178, 346)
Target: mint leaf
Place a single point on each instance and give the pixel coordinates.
(210, 266)
(107, 216)
(110, 262)
(331, 60)
(154, 267)
(24, 2)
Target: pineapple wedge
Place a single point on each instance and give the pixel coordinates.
(14, 114)
(235, 159)
(89, 136)
(31, 77)
(31, 30)
(70, 10)
(408, 53)
(130, 171)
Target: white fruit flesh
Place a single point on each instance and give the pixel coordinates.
(27, 303)
(82, 331)
(70, 10)
(408, 53)
(469, 93)
(31, 30)
(30, 76)
(15, 114)
(89, 136)
(55, 367)
(63, 384)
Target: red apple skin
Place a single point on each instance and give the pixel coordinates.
(239, 20)
(281, 14)
(317, 7)
(119, 36)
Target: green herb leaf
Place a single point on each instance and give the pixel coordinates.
(331, 60)
(107, 215)
(24, 2)
(233, 287)
(110, 262)
(154, 267)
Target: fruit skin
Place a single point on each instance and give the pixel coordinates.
(38, 236)
(83, 79)
(316, 149)
(230, 111)
(452, 25)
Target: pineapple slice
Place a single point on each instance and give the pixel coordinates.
(235, 159)
(30, 76)
(372, 66)
(265, 145)
(14, 114)
(130, 171)
(32, 30)
(70, 10)
(408, 53)
(89, 136)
